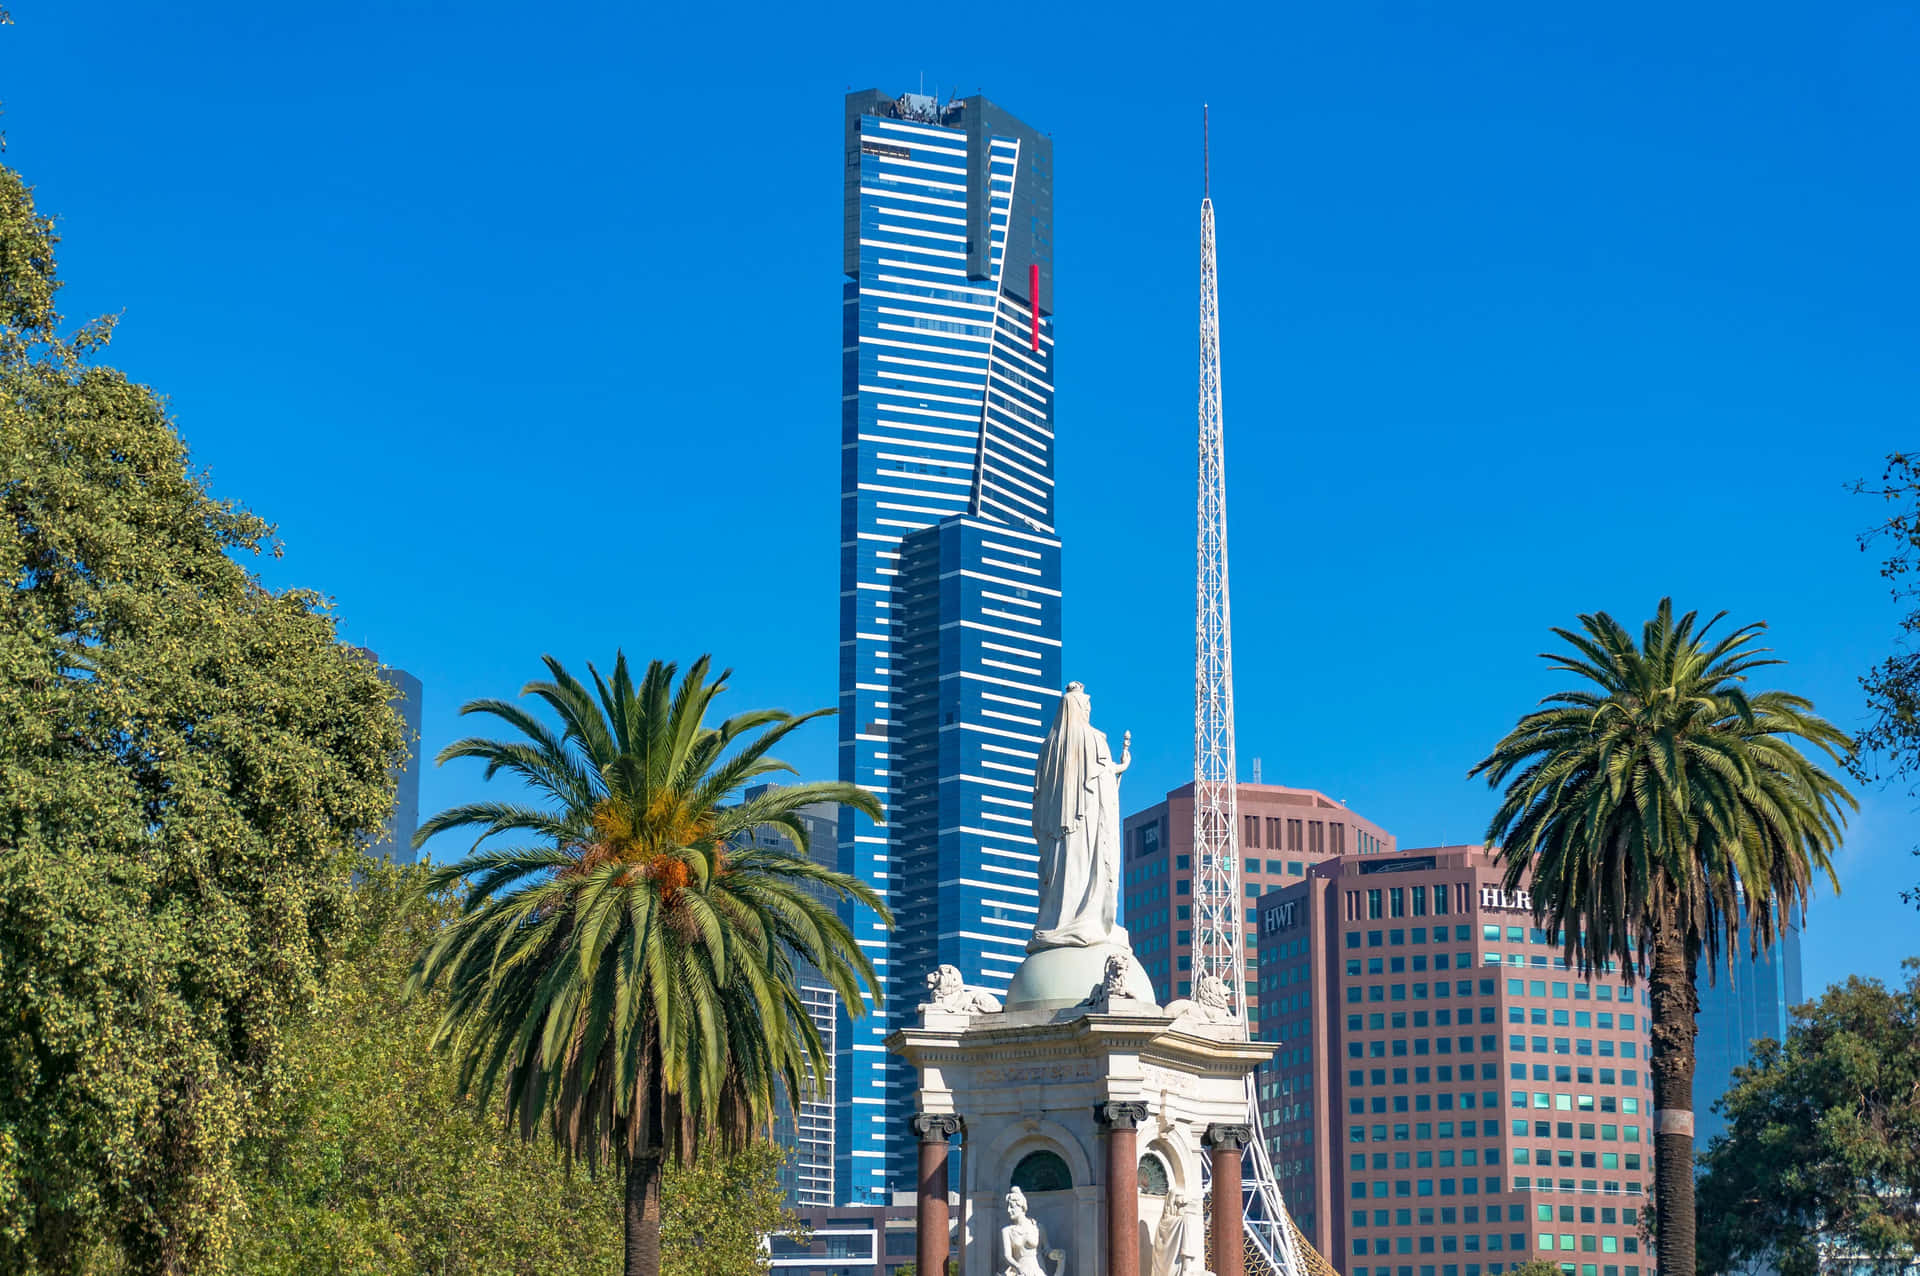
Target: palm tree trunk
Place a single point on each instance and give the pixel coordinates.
(1676, 1007)
(643, 1214)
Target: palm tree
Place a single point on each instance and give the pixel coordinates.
(625, 976)
(1656, 812)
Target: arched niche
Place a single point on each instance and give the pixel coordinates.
(1153, 1176)
(1042, 1170)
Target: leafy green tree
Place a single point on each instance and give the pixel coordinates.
(1819, 1169)
(373, 1162)
(626, 978)
(717, 1207)
(187, 763)
(1537, 1267)
(1890, 746)
(1658, 811)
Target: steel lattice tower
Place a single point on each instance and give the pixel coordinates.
(1220, 950)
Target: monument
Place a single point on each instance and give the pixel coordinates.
(1084, 1108)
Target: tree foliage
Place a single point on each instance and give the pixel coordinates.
(375, 1162)
(1656, 811)
(186, 761)
(626, 982)
(1890, 746)
(717, 1208)
(1819, 1169)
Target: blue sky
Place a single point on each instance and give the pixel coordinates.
(521, 322)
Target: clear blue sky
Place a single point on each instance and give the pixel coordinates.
(521, 321)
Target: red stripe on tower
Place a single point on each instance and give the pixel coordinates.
(1033, 299)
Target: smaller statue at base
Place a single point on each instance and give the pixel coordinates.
(1178, 1240)
(947, 991)
(1212, 1004)
(1022, 1241)
(1118, 983)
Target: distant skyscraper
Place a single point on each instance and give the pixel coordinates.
(949, 566)
(397, 839)
(1736, 1011)
(807, 1177)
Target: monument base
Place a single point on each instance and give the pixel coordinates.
(1101, 1119)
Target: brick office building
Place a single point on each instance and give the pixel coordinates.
(1282, 831)
(1448, 1098)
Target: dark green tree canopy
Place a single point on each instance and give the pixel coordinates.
(1819, 1169)
(186, 761)
(1890, 746)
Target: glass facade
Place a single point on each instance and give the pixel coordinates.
(396, 839)
(950, 570)
(1736, 1010)
(1448, 1098)
(807, 1129)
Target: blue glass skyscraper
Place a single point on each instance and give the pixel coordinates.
(1756, 1001)
(949, 567)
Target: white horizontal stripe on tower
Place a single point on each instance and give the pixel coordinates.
(885, 164)
(933, 201)
(1001, 580)
(932, 132)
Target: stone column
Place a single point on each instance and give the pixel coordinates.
(930, 1224)
(1121, 1122)
(1227, 1143)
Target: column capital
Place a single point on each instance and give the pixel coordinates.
(1231, 1138)
(1120, 1114)
(934, 1127)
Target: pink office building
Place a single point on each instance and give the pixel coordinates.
(1283, 832)
(1448, 1098)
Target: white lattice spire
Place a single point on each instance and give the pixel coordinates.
(1219, 949)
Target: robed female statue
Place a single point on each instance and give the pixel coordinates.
(1076, 825)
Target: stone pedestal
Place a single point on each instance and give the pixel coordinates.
(1066, 1102)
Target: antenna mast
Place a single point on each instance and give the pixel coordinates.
(1273, 1244)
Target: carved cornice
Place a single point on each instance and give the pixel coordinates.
(934, 1127)
(1231, 1138)
(1120, 1114)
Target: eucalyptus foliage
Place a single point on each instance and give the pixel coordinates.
(189, 763)
(624, 977)
(1819, 1168)
(1656, 812)
(373, 1161)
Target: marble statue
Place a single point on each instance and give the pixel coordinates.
(1212, 1003)
(1021, 1242)
(1119, 983)
(948, 991)
(1180, 1239)
(1076, 825)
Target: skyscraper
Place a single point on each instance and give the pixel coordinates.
(1737, 1010)
(396, 840)
(949, 566)
(806, 1126)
